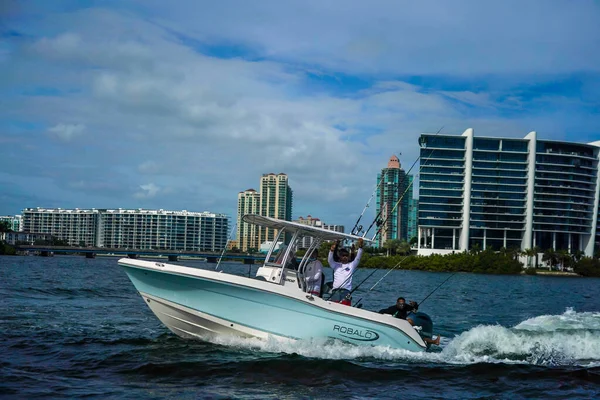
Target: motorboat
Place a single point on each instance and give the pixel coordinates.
(276, 303)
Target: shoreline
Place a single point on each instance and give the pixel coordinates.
(555, 273)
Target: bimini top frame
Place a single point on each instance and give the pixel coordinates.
(297, 231)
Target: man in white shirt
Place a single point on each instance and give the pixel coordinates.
(342, 273)
(313, 274)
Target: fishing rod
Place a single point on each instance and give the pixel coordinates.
(376, 219)
(358, 228)
(387, 273)
(454, 273)
(225, 248)
(371, 274)
(380, 223)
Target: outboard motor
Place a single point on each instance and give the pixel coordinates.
(422, 324)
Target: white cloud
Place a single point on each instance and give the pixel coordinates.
(67, 132)
(149, 190)
(202, 128)
(148, 167)
(402, 37)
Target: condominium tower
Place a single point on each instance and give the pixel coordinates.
(247, 234)
(507, 192)
(275, 202)
(413, 213)
(392, 202)
(133, 229)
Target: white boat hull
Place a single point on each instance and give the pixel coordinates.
(194, 303)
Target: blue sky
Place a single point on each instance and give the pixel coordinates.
(181, 105)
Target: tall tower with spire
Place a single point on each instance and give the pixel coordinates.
(392, 202)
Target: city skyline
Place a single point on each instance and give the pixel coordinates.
(144, 104)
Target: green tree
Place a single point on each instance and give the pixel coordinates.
(550, 258)
(587, 266)
(564, 259)
(529, 253)
(536, 250)
(475, 249)
(577, 255)
(5, 226)
(403, 248)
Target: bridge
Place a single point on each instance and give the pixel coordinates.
(173, 255)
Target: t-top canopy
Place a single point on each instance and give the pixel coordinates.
(305, 230)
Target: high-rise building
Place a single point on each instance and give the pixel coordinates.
(78, 227)
(392, 202)
(507, 192)
(247, 234)
(133, 229)
(15, 222)
(275, 202)
(413, 212)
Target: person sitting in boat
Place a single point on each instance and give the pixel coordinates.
(400, 309)
(342, 273)
(313, 275)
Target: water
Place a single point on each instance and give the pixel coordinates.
(74, 327)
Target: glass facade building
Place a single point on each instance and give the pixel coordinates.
(393, 196)
(413, 213)
(505, 192)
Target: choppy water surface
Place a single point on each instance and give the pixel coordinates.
(73, 327)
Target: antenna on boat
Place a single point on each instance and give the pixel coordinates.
(225, 248)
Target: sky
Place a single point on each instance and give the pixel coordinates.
(181, 105)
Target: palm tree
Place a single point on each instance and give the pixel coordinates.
(550, 257)
(577, 255)
(536, 250)
(403, 248)
(475, 249)
(514, 252)
(529, 253)
(564, 258)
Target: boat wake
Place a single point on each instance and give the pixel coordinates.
(569, 339)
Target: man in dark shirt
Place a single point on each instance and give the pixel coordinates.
(400, 309)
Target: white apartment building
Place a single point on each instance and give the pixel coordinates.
(247, 234)
(132, 229)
